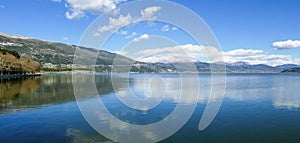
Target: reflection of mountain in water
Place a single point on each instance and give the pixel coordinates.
(30, 92)
(45, 90)
(11, 89)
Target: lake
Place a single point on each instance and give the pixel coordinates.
(262, 108)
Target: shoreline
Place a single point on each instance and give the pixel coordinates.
(89, 73)
(20, 76)
(106, 73)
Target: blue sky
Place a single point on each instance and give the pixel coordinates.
(242, 27)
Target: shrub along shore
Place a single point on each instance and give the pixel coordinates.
(14, 65)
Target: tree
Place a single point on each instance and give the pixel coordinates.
(12, 63)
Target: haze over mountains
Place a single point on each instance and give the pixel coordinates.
(55, 56)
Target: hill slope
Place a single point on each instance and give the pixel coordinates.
(292, 70)
(54, 56)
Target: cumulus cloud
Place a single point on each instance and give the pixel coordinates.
(143, 37)
(149, 13)
(116, 22)
(165, 28)
(75, 14)
(243, 52)
(182, 53)
(258, 57)
(121, 21)
(131, 35)
(123, 53)
(174, 28)
(190, 52)
(123, 32)
(289, 44)
(78, 8)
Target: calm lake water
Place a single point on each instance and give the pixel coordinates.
(256, 108)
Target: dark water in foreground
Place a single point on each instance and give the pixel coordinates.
(256, 108)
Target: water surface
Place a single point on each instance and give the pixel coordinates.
(256, 108)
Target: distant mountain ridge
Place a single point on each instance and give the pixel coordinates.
(287, 66)
(54, 56)
(292, 70)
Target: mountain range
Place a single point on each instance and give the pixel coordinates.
(54, 56)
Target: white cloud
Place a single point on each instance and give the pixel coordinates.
(131, 35)
(174, 28)
(123, 53)
(258, 57)
(66, 38)
(115, 23)
(289, 44)
(182, 53)
(78, 8)
(243, 52)
(143, 37)
(166, 58)
(149, 12)
(75, 15)
(123, 32)
(165, 28)
(121, 21)
(191, 52)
